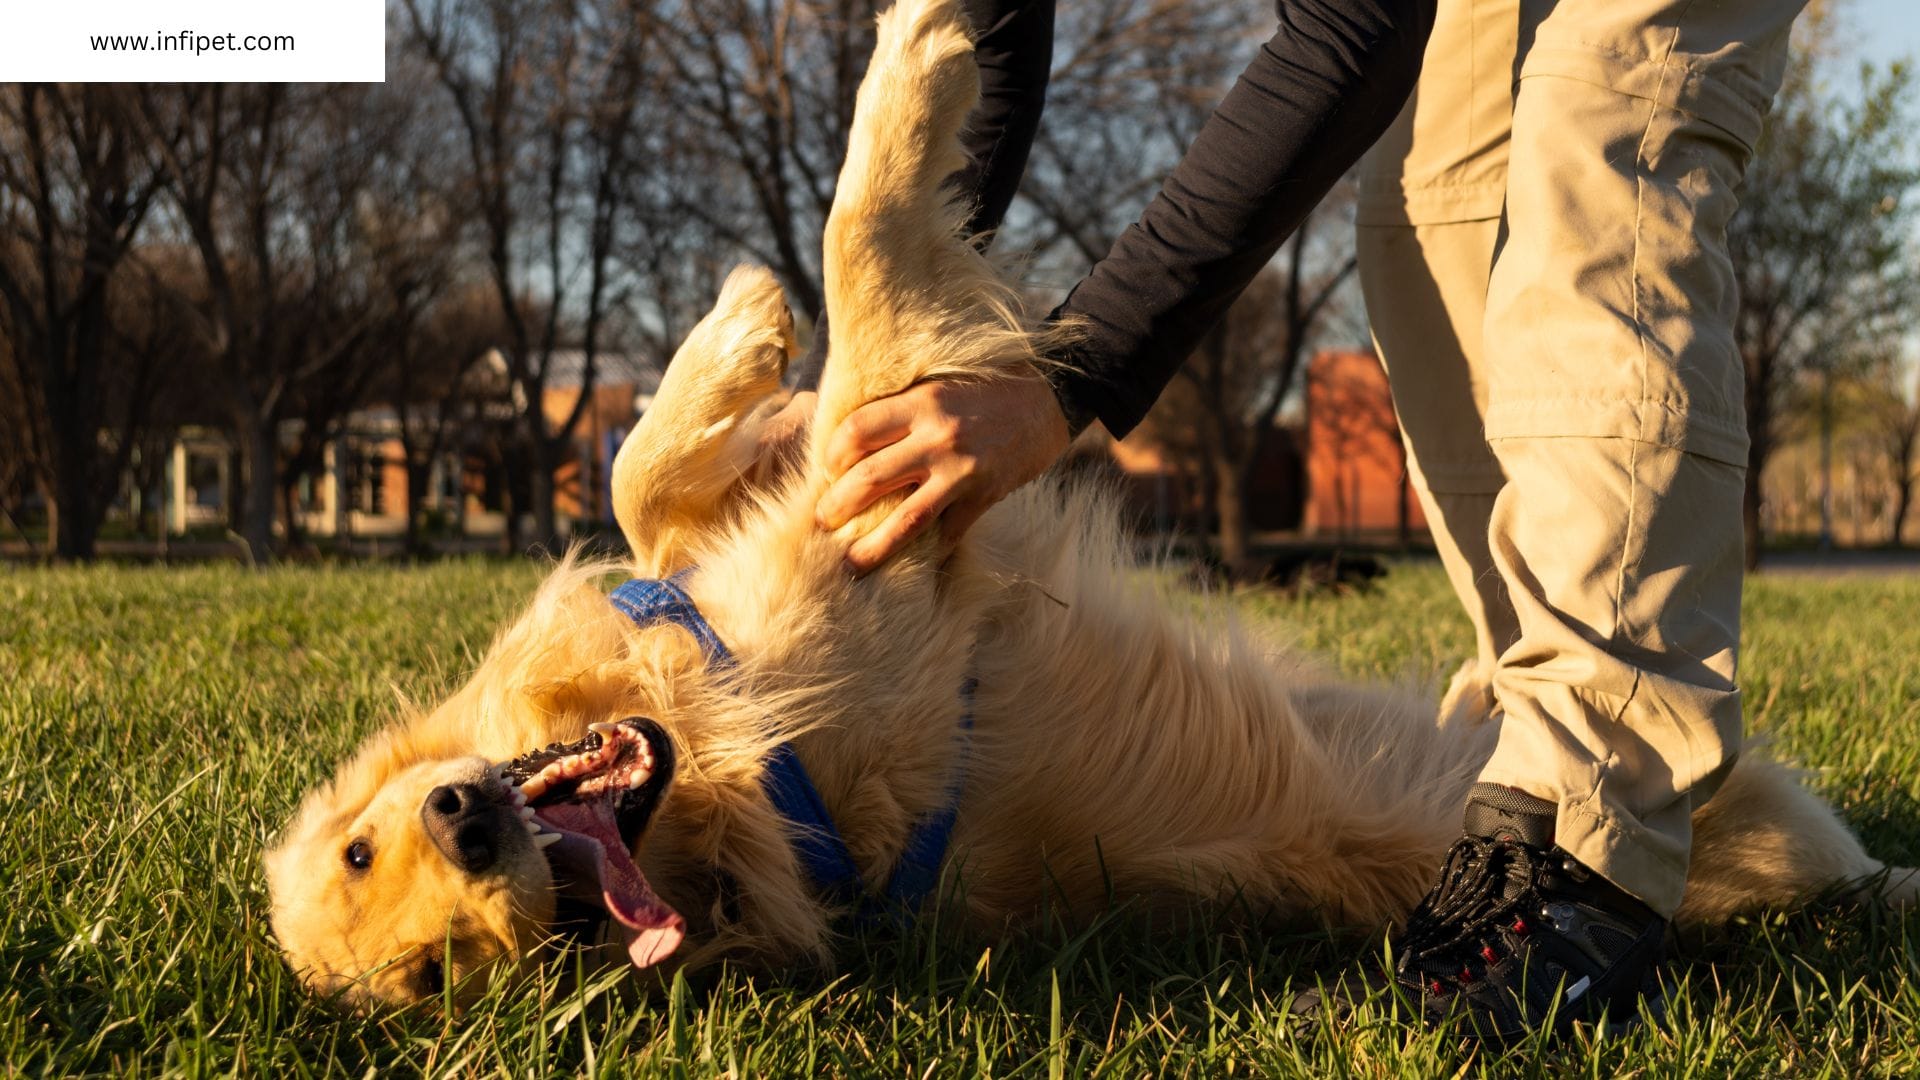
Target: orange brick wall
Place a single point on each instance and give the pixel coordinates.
(1354, 461)
(610, 412)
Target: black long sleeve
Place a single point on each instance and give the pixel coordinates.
(1321, 90)
(1013, 46)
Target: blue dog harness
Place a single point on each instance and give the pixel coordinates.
(816, 842)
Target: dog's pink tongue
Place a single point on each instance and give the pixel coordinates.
(652, 929)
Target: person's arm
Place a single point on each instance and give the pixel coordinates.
(1320, 91)
(1013, 47)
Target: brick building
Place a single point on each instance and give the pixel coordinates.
(1356, 464)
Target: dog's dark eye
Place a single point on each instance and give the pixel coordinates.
(359, 854)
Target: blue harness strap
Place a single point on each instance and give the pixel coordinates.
(648, 603)
(815, 840)
(817, 844)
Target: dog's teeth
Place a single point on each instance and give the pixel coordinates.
(638, 777)
(605, 728)
(519, 797)
(526, 813)
(533, 788)
(546, 840)
(531, 827)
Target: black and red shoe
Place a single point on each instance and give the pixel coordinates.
(1518, 936)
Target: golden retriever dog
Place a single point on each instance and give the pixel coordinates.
(1114, 742)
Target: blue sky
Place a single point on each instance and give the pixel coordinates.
(1882, 30)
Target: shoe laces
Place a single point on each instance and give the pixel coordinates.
(1483, 884)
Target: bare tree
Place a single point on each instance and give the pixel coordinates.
(267, 184)
(766, 92)
(20, 467)
(148, 331)
(441, 392)
(1133, 81)
(675, 262)
(1227, 396)
(75, 190)
(545, 95)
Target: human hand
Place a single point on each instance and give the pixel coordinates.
(961, 447)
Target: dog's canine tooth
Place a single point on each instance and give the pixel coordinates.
(546, 840)
(604, 728)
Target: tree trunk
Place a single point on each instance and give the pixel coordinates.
(1759, 445)
(540, 491)
(233, 485)
(73, 518)
(513, 467)
(258, 467)
(1826, 461)
(418, 474)
(290, 511)
(74, 525)
(1231, 501)
(460, 496)
(1900, 514)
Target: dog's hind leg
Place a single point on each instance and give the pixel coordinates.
(1765, 841)
(696, 442)
(910, 298)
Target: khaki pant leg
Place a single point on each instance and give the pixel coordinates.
(1428, 285)
(1428, 222)
(1615, 409)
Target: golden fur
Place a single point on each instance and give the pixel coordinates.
(1124, 744)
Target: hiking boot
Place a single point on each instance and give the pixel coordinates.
(1519, 936)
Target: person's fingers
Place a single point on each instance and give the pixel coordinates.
(888, 469)
(868, 428)
(908, 520)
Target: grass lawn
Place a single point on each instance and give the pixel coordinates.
(157, 724)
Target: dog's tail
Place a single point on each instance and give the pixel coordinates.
(908, 297)
(1900, 887)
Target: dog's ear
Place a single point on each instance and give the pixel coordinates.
(692, 444)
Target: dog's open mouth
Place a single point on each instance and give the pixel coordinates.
(586, 804)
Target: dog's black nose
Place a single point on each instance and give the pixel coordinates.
(464, 824)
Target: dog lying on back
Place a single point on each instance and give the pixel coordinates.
(601, 766)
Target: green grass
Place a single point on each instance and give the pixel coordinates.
(157, 724)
